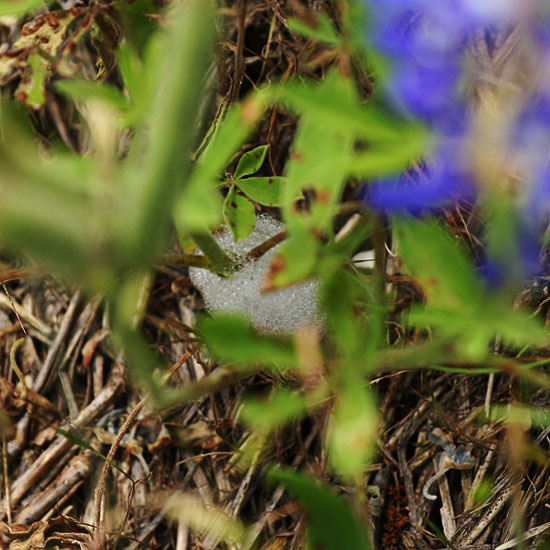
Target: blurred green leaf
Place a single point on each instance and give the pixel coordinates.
(238, 213)
(353, 429)
(332, 525)
(227, 138)
(319, 137)
(343, 294)
(154, 177)
(197, 208)
(85, 90)
(281, 407)
(321, 29)
(232, 338)
(19, 7)
(265, 190)
(394, 156)
(294, 261)
(335, 102)
(138, 24)
(250, 162)
(439, 263)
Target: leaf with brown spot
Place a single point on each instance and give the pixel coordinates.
(263, 190)
(35, 52)
(250, 162)
(238, 213)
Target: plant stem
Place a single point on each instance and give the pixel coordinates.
(258, 251)
(220, 261)
(186, 260)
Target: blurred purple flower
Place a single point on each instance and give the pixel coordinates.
(416, 192)
(424, 41)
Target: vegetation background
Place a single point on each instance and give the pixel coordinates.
(411, 412)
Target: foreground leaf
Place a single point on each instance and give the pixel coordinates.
(353, 430)
(231, 338)
(332, 525)
(250, 162)
(439, 263)
(263, 190)
(238, 213)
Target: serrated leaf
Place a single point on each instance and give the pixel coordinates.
(332, 525)
(352, 431)
(321, 29)
(265, 190)
(250, 162)
(238, 213)
(231, 338)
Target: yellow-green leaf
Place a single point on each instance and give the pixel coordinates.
(265, 190)
(238, 213)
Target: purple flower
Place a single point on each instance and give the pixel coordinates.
(426, 45)
(445, 179)
(424, 41)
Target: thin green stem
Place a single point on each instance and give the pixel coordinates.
(220, 261)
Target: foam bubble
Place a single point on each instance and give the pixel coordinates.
(280, 311)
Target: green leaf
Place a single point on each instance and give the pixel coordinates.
(335, 102)
(238, 123)
(18, 7)
(440, 263)
(395, 155)
(332, 525)
(294, 261)
(238, 213)
(263, 190)
(250, 162)
(85, 90)
(31, 90)
(231, 338)
(352, 431)
(321, 150)
(321, 30)
(153, 177)
(196, 209)
(268, 414)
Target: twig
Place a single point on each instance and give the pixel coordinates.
(7, 498)
(45, 370)
(13, 307)
(258, 251)
(110, 456)
(186, 260)
(239, 61)
(60, 445)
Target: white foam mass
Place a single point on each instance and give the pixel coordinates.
(279, 311)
